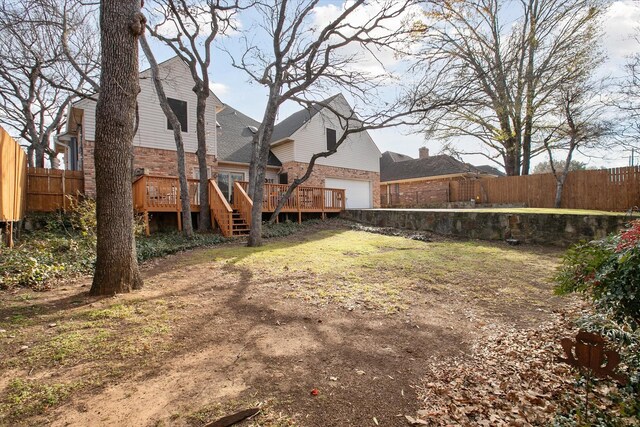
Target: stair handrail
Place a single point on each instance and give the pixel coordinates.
(242, 203)
(220, 209)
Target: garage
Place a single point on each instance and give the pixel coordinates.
(358, 192)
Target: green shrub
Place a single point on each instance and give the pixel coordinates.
(607, 272)
(66, 246)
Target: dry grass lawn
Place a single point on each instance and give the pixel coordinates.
(355, 315)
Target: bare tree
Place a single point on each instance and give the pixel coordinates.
(628, 103)
(37, 81)
(581, 127)
(293, 57)
(185, 201)
(193, 25)
(116, 270)
(510, 67)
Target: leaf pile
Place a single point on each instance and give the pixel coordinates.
(511, 378)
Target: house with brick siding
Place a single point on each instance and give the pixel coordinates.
(428, 180)
(154, 151)
(355, 167)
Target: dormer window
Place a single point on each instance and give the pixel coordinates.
(179, 108)
(331, 139)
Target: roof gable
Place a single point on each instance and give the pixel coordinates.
(287, 127)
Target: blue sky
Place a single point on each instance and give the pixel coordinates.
(234, 88)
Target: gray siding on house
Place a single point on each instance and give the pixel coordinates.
(152, 130)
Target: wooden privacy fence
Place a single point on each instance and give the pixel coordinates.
(13, 180)
(616, 189)
(49, 190)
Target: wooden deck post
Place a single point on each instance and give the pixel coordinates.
(178, 207)
(147, 230)
(298, 203)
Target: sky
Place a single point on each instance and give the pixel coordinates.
(234, 88)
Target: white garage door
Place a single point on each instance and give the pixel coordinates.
(358, 193)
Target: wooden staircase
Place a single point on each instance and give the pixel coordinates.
(239, 226)
(235, 219)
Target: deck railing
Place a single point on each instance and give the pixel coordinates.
(303, 198)
(162, 194)
(221, 212)
(242, 203)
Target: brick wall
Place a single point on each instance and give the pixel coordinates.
(427, 193)
(414, 194)
(154, 161)
(320, 172)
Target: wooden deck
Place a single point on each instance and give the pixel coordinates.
(162, 194)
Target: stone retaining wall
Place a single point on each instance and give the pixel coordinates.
(548, 229)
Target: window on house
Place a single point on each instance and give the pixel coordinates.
(283, 178)
(331, 139)
(195, 172)
(180, 110)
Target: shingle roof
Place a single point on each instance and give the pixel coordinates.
(288, 126)
(234, 137)
(407, 168)
(488, 169)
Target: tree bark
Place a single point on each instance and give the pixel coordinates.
(559, 187)
(39, 155)
(258, 168)
(204, 218)
(116, 270)
(185, 200)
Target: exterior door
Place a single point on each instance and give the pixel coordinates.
(226, 181)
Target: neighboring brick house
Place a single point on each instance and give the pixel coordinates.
(427, 180)
(354, 167)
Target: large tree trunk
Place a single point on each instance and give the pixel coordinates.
(255, 235)
(201, 107)
(116, 265)
(258, 168)
(30, 156)
(185, 200)
(511, 166)
(559, 187)
(39, 156)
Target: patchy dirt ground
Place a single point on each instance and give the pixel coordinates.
(356, 315)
